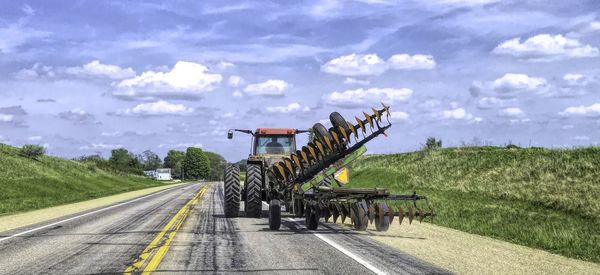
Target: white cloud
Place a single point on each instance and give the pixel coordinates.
(111, 134)
(34, 138)
(95, 68)
(407, 62)
(157, 108)
(27, 9)
(15, 35)
(458, 114)
(370, 64)
(227, 115)
(546, 47)
(6, 118)
(100, 146)
(512, 112)
(225, 65)
(581, 138)
(572, 78)
(235, 81)
(592, 111)
(354, 81)
(238, 94)
(399, 116)
(76, 115)
(268, 88)
(181, 145)
(513, 82)
(185, 80)
(212, 122)
(365, 97)
(595, 25)
(494, 102)
(292, 107)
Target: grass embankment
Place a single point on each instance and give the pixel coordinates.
(27, 184)
(542, 198)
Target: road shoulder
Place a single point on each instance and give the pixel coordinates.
(466, 253)
(15, 221)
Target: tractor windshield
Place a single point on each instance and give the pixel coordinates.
(275, 145)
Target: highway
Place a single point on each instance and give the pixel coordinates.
(182, 230)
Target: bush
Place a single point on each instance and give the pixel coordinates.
(32, 151)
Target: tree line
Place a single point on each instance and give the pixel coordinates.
(194, 163)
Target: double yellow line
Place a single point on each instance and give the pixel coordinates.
(153, 254)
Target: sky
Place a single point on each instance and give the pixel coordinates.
(86, 77)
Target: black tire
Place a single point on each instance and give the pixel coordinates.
(338, 120)
(382, 224)
(274, 215)
(253, 187)
(361, 220)
(232, 189)
(312, 216)
(321, 133)
(298, 208)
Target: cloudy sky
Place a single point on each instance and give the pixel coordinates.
(84, 77)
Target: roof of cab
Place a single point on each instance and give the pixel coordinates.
(275, 131)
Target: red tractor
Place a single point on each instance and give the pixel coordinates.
(269, 145)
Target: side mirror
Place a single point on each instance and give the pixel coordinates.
(230, 134)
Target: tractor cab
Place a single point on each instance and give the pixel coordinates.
(274, 141)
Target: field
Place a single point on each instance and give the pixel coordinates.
(28, 184)
(542, 198)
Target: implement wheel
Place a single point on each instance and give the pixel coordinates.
(382, 218)
(232, 189)
(274, 215)
(253, 187)
(312, 215)
(361, 220)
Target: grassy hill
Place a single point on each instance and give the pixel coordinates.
(543, 198)
(27, 184)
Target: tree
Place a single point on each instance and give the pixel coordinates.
(123, 161)
(196, 164)
(150, 160)
(217, 165)
(174, 160)
(32, 151)
(432, 143)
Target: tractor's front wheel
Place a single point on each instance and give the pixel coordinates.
(312, 215)
(231, 186)
(274, 214)
(253, 187)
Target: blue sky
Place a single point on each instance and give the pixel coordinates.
(85, 77)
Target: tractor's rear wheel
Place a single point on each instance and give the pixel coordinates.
(361, 220)
(274, 214)
(312, 216)
(253, 187)
(231, 191)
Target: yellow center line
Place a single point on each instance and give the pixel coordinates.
(153, 254)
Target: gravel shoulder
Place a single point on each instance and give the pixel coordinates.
(465, 253)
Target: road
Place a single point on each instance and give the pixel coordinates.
(182, 230)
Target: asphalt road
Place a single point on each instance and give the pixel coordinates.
(158, 231)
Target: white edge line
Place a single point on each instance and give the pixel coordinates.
(83, 215)
(339, 248)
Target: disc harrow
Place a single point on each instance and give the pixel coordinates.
(315, 175)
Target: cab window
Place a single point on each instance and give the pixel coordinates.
(275, 145)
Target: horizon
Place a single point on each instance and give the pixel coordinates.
(90, 77)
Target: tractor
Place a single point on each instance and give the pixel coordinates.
(310, 181)
(269, 145)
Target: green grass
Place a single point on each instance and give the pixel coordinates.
(542, 198)
(27, 184)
